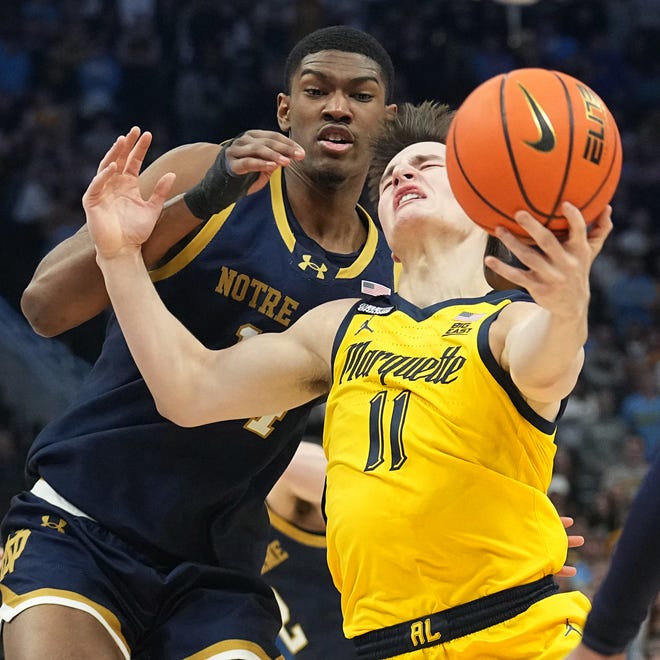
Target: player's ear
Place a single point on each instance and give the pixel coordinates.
(390, 111)
(283, 107)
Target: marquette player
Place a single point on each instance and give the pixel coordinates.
(441, 411)
(296, 565)
(141, 538)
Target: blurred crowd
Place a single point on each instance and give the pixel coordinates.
(75, 73)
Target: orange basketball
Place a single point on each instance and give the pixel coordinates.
(529, 140)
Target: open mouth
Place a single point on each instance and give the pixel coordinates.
(336, 138)
(407, 196)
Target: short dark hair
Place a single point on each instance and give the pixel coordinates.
(345, 39)
(427, 122)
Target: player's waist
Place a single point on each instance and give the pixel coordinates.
(46, 492)
(440, 627)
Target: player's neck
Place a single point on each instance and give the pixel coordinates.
(433, 277)
(328, 216)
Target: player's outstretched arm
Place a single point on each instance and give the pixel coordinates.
(542, 345)
(191, 384)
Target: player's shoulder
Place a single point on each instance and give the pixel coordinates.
(194, 148)
(188, 161)
(193, 156)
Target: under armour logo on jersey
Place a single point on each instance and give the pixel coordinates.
(59, 526)
(364, 326)
(319, 268)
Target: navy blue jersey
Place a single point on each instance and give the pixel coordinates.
(296, 567)
(197, 494)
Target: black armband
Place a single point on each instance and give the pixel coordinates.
(219, 188)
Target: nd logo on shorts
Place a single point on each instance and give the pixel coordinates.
(13, 550)
(16, 543)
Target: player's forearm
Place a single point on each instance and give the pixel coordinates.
(546, 354)
(165, 352)
(66, 289)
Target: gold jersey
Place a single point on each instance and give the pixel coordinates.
(438, 469)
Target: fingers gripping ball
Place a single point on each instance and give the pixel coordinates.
(529, 140)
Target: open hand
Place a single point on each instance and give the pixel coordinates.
(556, 273)
(118, 218)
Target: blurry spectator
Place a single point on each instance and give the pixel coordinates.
(600, 446)
(622, 478)
(605, 271)
(637, 239)
(136, 12)
(640, 409)
(581, 410)
(652, 356)
(492, 58)
(144, 76)
(16, 66)
(196, 99)
(34, 198)
(560, 490)
(605, 515)
(633, 297)
(99, 133)
(604, 359)
(99, 77)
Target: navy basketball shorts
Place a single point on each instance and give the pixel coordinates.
(189, 610)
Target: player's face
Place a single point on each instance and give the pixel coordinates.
(337, 102)
(415, 189)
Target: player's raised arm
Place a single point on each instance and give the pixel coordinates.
(67, 287)
(542, 345)
(191, 384)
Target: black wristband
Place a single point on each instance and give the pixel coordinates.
(218, 189)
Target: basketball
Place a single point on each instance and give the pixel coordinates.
(529, 140)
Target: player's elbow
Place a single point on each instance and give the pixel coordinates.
(549, 390)
(181, 410)
(37, 313)
(175, 410)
